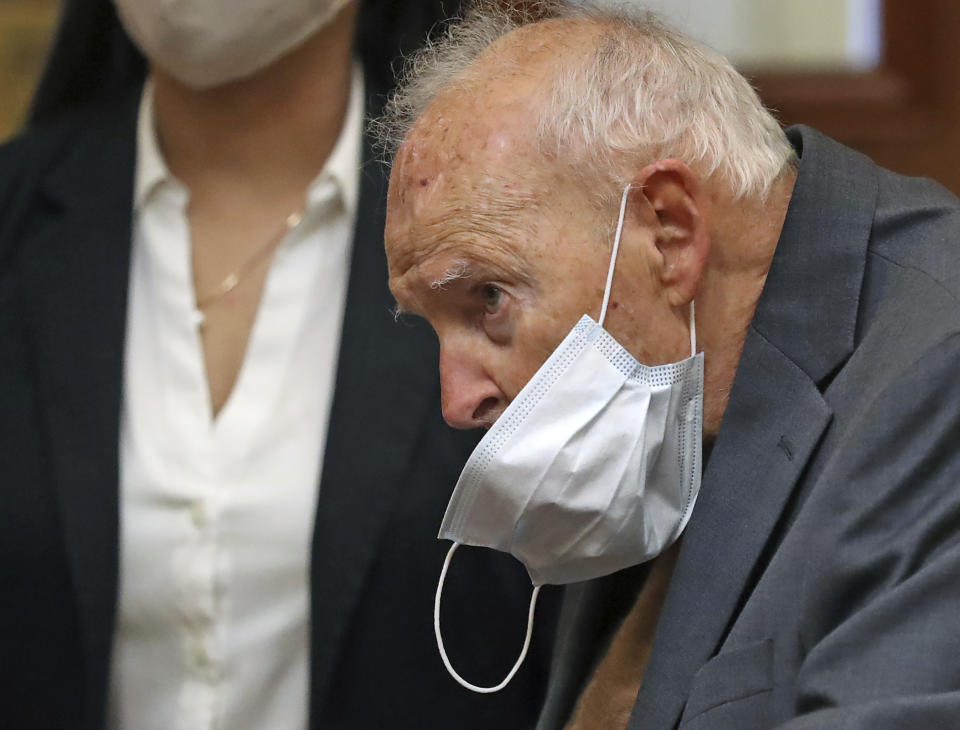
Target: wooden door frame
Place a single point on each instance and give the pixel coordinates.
(904, 113)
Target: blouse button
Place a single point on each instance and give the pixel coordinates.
(198, 515)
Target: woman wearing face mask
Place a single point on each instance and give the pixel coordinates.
(222, 461)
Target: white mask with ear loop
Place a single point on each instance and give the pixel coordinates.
(592, 468)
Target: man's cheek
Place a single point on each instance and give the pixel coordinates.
(518, 371)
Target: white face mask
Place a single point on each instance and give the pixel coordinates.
(594, 466)
(205, 43)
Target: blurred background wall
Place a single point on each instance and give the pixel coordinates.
(880, 75)
(26, 27)
(814, 34)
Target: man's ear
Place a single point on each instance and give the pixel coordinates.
(667, 197)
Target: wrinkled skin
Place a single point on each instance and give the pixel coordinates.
(497, 244)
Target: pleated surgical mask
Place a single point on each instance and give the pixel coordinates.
(593, 467)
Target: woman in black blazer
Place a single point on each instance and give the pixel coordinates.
(390, 463)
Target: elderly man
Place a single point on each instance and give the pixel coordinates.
(817, 582)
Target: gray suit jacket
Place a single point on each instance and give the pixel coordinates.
(818, 584)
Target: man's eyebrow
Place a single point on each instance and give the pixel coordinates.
(486, 269)
(459, 270)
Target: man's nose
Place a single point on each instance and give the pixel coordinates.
(470, 398)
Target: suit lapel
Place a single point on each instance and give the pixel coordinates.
(749, 479)
(802, 331)
(76, 269)
(384, 370)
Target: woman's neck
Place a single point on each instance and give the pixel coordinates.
(273, 130)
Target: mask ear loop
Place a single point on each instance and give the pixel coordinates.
(693, 332)
(613, 261)
(613, 255)
(443, 652)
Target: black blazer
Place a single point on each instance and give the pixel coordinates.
(390, 464)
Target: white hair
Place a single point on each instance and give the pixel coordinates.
(643, 92)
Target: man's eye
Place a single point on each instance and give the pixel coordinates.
(492, 298)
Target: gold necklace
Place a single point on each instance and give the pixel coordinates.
(233, 279)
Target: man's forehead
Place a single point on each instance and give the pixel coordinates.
(464, 167)
(490, 221)
(470, 167)
(459, 129)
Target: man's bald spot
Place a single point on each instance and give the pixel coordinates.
(508, 82)
(536, 48)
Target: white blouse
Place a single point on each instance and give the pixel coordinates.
(216, 515)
